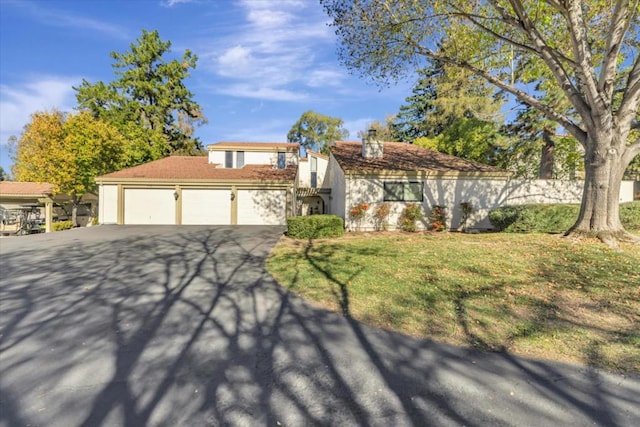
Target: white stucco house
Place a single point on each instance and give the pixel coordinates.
(264, 183)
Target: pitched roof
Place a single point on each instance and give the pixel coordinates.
(13, 188)
(259, 145)
(316, 154)
(403, 157)
(199, 168)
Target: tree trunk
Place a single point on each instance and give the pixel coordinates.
(599, 211)
(546, 160)
(74, 210)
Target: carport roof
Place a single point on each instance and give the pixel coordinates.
(404, 157)
(199, 168)
(25, 189)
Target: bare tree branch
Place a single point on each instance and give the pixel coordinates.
(548, 56)
(631, 98)
(620, 24)
(563, 120)
(584, 72)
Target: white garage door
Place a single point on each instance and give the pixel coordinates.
(149, 206)
(267, 207)
(206, 207)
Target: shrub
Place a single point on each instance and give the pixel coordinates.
(630, 215)
(411, 214)
(358, 212)
(381, 215)
(556, 218)
(467, 209)
(315, 226)
(61, 225)
(437, 218)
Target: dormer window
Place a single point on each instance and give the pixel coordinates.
(282, 160)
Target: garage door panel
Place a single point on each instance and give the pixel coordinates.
(206, 207)
(262, 207)
(149, 206)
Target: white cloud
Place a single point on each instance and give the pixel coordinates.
(171, 3)
(323, 78)
(273, 55)
(273, 94)
(18, 102)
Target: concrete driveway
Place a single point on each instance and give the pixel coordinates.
(169, 326)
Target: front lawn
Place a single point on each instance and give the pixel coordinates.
(535, 295)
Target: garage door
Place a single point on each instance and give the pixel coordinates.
(149, 206)
(206, 207)
(262, 207)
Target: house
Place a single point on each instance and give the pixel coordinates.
(264, 183)
(237, 183)
(373, 173)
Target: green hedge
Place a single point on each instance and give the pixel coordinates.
(630, 215)
(552, 218)
(62, 225)
(315, 226)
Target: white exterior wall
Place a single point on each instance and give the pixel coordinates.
(304, 172)
(338, 185)
(108, 204)
(483, 194)
(252, 157)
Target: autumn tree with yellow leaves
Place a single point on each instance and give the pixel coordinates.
(68, 151)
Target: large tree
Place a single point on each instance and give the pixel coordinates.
(68, 151)
(588, 50)
(315, 131)
(148, 101)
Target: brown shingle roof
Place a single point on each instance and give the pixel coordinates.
(199, 168)
(403, 157)
(12, 188)
(265, 145)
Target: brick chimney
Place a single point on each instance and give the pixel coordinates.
(372, 148)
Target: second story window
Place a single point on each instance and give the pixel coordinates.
(228, 159)
(282, 160)
(239, 159)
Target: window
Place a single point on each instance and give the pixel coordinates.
(282, 160)
(239, 159)
(228, 159)
(314, 172)
(403, 191)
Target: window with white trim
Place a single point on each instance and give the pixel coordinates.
(403, 191)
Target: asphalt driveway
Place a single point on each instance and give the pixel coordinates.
(168, 326)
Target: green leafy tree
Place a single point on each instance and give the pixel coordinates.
(384, 131)
(585, 50)
(68, 151)
(148, 101)
(469, 138)
(315, 131)
(454, 112)
(3, 174)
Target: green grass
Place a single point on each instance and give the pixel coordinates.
(535, 295)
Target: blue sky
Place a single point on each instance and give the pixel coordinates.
(262, 63)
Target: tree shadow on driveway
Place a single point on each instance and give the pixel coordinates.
(183, 326)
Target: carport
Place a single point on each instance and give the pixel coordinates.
(14, 195)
